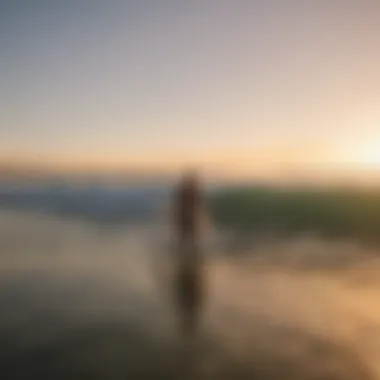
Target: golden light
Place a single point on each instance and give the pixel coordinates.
(369, 155)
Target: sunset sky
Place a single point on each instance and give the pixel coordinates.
(248, 86)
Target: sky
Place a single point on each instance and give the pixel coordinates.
(242, 86)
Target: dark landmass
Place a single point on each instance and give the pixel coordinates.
(331, 212)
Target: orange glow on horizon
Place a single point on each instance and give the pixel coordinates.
(274, 162)
(259, 160)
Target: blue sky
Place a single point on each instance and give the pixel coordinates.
(249, 83)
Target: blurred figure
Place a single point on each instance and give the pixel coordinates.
(188, 283)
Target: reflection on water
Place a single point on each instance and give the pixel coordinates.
(80, 302)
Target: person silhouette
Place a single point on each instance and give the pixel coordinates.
(188, 284)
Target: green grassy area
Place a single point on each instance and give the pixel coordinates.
(331, 212)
